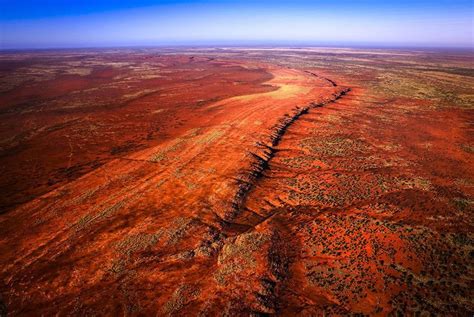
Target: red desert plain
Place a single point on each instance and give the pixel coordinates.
(237, 182)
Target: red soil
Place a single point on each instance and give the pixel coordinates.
(56, 130)
(365, 208)
(239, 187)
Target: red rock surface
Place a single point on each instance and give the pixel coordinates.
(272, 183)
(56, 127)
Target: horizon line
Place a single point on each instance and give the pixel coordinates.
(243, 44)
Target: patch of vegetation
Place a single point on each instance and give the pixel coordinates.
(468, 148)
(239, 255)
(181, 296)
(462, 204)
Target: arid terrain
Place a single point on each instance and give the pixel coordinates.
(237, 182)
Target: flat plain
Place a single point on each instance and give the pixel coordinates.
(237, 181)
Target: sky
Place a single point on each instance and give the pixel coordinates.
(28, 24)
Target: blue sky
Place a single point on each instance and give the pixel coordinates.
(94, 23)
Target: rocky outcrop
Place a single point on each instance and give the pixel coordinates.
(266, 149)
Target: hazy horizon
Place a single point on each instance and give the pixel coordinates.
(392, 24)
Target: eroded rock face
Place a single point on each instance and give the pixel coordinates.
(318, 192)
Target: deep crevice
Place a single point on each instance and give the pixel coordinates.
(332, 82)
(265, 151)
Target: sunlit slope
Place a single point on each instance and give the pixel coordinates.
(154, 220)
